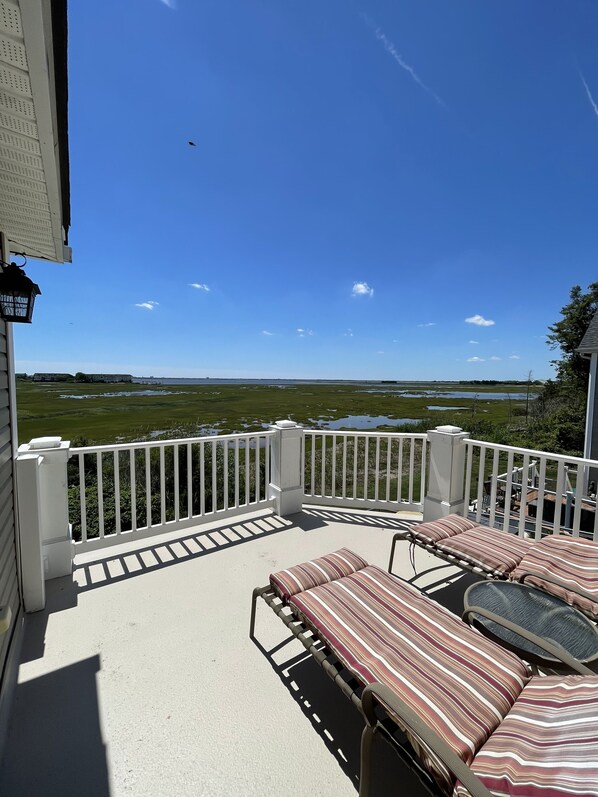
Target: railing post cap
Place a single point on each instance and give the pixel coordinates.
(44, 442)
(448, 429)
(285, 424)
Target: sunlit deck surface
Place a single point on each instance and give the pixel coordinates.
(140, 678)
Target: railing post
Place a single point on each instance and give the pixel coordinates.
(446, 493)
(286, 468)
(28, 467)
(54, 527)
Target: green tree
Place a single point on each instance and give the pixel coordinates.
(559, 413)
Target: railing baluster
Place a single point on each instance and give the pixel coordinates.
(558, 498)
(162, 487)
(267, 468)
(344, 491)
(257, 469)
(481, 475)
(377, 470)
(508, 491)
(400, 472)
(189, 481)
(366, 468)
(355, 453)
(237, 472)
(388, 453)
(148, 487)
(177, 497)
(225, 474)
(468, 477)
(524, 494)
(214, 477)
(323, 485)
(133, 489)
(313, 464)
(422, 489)
(83, 497)
(333, 474)
(411, 465)
(247, 469)
(540, 498)
(202, 479)
(493, 485)
(117, 492)
(100, 495)
(578, 503)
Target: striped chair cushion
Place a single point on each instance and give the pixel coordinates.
(547, 745)
(495, 552)
(319, 571)
(571, 561)
(435, 530)
(383, 629)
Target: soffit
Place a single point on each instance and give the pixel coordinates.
(32, 193)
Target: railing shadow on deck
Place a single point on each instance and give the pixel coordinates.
(339, 724)
(386, 520)
(110, 569)
(55, 746)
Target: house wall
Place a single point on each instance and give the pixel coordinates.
(9, 584)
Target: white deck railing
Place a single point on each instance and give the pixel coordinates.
(365, 469)
(120, 492)
(531, 492)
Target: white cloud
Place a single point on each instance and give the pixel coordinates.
(428, 324)
(380, 352)
(479, 321)
(348, 333)
(304, 332)
(200, 286)
(362, 289)
(495, 358)
(476, 342)
(147, 305)
(169, 4)
(514, 357)
(589, 93)
(392, 51)
(265, 332)
(475, 360)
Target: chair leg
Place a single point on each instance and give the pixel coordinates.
(392, 554)
(256, 594)
(367, 740)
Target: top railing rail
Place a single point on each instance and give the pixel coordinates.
(177, 441)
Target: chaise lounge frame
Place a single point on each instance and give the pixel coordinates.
(371, 699)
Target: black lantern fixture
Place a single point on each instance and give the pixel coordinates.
(17, 294)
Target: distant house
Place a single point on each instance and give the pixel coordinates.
(589, 348)
(53, 377)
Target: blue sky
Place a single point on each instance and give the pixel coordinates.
(386, 189)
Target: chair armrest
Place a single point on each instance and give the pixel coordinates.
(549, 647)
(550, 579)
(408, 719)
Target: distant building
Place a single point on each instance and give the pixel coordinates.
(109, 377)
(53, 377)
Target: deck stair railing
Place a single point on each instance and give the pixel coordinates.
(529, 492)
(366, 469)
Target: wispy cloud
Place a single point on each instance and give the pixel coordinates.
(380, 352)
(169, 4)
(514, 357)
(475, 342)
(428, 324)
(589, 93)
(147, 305)
(302, 333)
(268, 334)
(393, 52)
(200, 286)
(495, 358)
(475, 360)
(348, 333)
(479, 321)
(362, 289)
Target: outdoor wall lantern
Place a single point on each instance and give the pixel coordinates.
(17, 294)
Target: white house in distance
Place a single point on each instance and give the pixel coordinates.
(34, 221)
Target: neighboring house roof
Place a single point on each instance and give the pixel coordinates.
(589, 342)
(34, 168)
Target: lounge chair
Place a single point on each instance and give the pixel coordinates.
(564, 566)
(476, 719)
